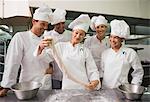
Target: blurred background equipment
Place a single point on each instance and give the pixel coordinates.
(14, 12)
(5, 37)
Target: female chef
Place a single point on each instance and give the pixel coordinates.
(97, 43)
(82, 72)
(117, 60)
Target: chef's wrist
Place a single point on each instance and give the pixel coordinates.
(5, 89)
(40, 49)
(95, 82)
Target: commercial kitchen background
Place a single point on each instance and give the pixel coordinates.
(135, 12)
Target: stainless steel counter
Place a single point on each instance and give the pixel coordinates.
(41, 96)
(75, 96)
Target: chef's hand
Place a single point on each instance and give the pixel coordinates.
(49, 70)
(46, 42)
(92, 85)
(3, 91)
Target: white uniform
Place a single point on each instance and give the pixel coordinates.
(96, 47)
(116, 67)
(66, 36)
(20, 52)
(79, 63)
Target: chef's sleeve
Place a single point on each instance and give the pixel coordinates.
(46, 54)
(12, 61)
(92, 70)
(138, 72)
(102, 63)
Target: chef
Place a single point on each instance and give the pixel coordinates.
(60, 34)
(20, 53)
(82, 72)
(117, 60)
(97, 43)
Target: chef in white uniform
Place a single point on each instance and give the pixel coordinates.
(77, 59)
(117, 60)
(59, 34)
(98, 43)
(20, 53)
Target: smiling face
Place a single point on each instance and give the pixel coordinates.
(60, 27)
(77, 36)
(115, 42)
(100, 31)
(39, 27)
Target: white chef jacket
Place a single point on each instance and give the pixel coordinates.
(66, 36)
(78, 62)
(20, 52)
(96, 47)
(116, 66)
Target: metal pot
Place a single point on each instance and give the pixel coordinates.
(132, 92)
(26, 90)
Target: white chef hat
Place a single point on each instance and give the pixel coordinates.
(120, 28)
(59, 15)
(43, 13)
(82, 22)
(97, 20)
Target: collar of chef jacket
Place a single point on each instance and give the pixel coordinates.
(102, 41)
(56, 33)
(121, 49)
(34, 36)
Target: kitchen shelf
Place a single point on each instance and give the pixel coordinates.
(1, 55)
(3, 45)
(2, 63)
(147, 76)
(146, 66)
